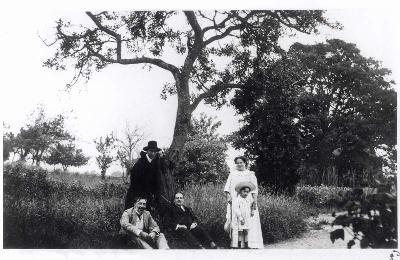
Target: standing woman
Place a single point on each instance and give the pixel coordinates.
(241, 174)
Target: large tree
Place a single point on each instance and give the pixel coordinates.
(348, 106)
(269, 132)
(340, 105)
(199, 38)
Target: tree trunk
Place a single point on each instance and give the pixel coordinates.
(182, 121)
(39, 157)
(181, 131)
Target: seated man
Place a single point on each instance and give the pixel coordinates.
(139, 225)
(185, 224)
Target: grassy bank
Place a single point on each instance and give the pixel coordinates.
(46, 210)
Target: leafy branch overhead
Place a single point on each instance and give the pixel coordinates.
(143, 37)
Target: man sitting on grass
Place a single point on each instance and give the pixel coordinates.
(139, 225)
(185, 225)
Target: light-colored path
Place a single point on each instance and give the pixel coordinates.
(315, 238)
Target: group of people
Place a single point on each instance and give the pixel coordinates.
(138, 224)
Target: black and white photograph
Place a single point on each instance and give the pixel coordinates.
(219, 129)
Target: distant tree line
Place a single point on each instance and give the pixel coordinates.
(318, 111)
(43, 140)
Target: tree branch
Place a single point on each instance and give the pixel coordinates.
(197, 46)
(191, 17)
(157, 62)
(219, 25)
(108, 31)
(229, 30)
(286, 23)
(212, 92)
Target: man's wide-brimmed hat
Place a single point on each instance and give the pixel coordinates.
(243, 184)
(151, 145)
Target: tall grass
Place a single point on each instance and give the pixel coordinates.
(43, 213)
(281, 217)
(44, 210)
(321, 196)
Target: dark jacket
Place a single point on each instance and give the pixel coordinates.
(144, 181)
(178, 216)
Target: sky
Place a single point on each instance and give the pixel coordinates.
(129, 94)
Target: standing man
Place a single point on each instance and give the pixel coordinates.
(143, 176)
(185, 224)
(139, 225)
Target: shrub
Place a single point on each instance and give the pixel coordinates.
(40, 212)
(321, 196)
(370, 218)
(281, 216)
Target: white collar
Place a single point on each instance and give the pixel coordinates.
(138, 214)
(148, 158)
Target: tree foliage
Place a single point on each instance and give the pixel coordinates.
(318, 107)
(348, 106)
(198, 37)
(8, 143)
(37, 138)
(105, 146)
(67, 155)
(371, 219)
(204, 154)
(270, 134)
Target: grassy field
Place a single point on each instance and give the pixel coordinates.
(62, 210)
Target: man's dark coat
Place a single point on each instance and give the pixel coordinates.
(178, 216)
(196, 237)
(144, 181)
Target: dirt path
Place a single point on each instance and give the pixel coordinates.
(317, 237)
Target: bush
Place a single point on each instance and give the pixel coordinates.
(203, 157)
(281, 217)
(40, 212)
(371, 218)
(321, 196)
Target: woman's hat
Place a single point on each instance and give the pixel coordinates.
(151, 145)
(243, 184)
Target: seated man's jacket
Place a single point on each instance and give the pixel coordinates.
(130, 219)
(182, 217)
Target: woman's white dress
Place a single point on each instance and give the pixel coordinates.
(254, 234)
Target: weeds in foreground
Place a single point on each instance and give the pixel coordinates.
(41, 211)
